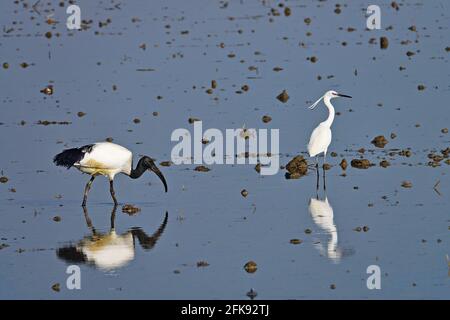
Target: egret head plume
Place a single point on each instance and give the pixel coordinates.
(315, 103)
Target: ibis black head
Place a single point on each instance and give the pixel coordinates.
(147, 163)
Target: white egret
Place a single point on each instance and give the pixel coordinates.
(321, 135)
(322, 213)
(107, 159)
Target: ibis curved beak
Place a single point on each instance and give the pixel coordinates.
(155, 169)
(343, 95)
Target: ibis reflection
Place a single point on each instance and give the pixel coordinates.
(110, 250)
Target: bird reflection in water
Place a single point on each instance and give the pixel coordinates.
(322, 214)
(109, 251)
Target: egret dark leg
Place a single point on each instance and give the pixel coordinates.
(113, 194)
(317, 162)
(86, 190)
(324, 159)
(317, 183)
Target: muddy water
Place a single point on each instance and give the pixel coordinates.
(365, 218)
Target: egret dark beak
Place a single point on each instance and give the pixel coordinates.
(343, 95)
(155, 169)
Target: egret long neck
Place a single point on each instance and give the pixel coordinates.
(331, 112)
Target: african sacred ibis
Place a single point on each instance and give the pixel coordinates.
(107, 159)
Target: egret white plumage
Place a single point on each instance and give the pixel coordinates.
(107, 159)
(321, 135)
(322, 214)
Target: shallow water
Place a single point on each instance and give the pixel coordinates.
(208, 219)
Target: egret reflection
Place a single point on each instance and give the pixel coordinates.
(109, 250)
(322, 213)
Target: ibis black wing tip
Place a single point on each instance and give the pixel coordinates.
(68, 157)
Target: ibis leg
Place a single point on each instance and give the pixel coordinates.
(86, 190)
(113, 216)
(324, 183)
(113, 194)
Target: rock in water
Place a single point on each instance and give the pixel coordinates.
(297, 167)
(379, 141)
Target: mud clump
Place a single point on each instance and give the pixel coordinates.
(283, 96)
(266, 119)
(405, 153)
(360, 163)
(295, 241)
(130, 209)
(166, 163)
(384, 43)
(48, 90)
(379, 141)
(202, 169)
(406, 184)
(343, 164)
(251, 267)
(326, 166)
(3, 179)
(56, 287)
(384, 163)
(244, 193)
(444, 130)
(47, 122)
(202, 264)
(192, 120)
(297, 167)
(395, 5)
(287, 11)
(57, 218)
(252, 294)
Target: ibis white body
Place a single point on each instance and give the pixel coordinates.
(109, 251)
(107, 159)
